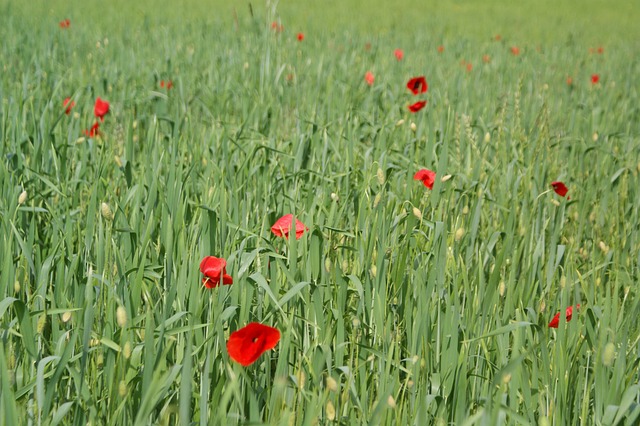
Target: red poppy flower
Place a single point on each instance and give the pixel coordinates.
(427, 177)
(68, 104)
(247, 344)
(595, 78)
(515, 50)
(486, 59)
(168, 84)
(277, 27)
(283, 225)
(469, 66)
(93, 132)
(369, 78)
(101, 109)
(417, 85)
(300, 36)
(568, 314)
(65, 24)
(417, 106)
(569, 81)
(399, 54)
(498, 37)
(440, 49)
(560, 189)
(213, 269)
(600, 50)
(367, 47)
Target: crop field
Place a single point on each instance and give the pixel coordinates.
(330, 212)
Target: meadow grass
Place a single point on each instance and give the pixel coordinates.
(400, 304)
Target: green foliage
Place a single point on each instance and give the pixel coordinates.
(400, 305)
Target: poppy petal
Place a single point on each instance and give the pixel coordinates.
(213, 269)
(560, 188)
(417, 106)
(283, 225)
(428, 177)
(246, 345)
(101, 108)
(417, 85)
(568, 314)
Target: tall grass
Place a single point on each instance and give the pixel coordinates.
(400, 305)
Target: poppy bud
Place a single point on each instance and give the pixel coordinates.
(377, 200)
(301, 379)
(465, 210)
(595, 136)
(126, 350)
(413, 127)
(603, 247)
(66, 316)
(487, 137)
(335, 197)
(374, 271)
(332, 385)
(330, 410)
(22, 197)
(445, 178)
(400, 122)
(16, 287)
(608, 354)
(391, 402)
(121, 316)
(417, 213)
(42, 321)
(106, 211)
(459, 234)
(327, 265)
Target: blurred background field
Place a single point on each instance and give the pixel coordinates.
(400, 305)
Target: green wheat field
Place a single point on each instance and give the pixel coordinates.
(399, 304)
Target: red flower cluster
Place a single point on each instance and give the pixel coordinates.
(417, 85)
(168, 84)
(427, 177)
(64, 24)
(568, 314)
(282, 227)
